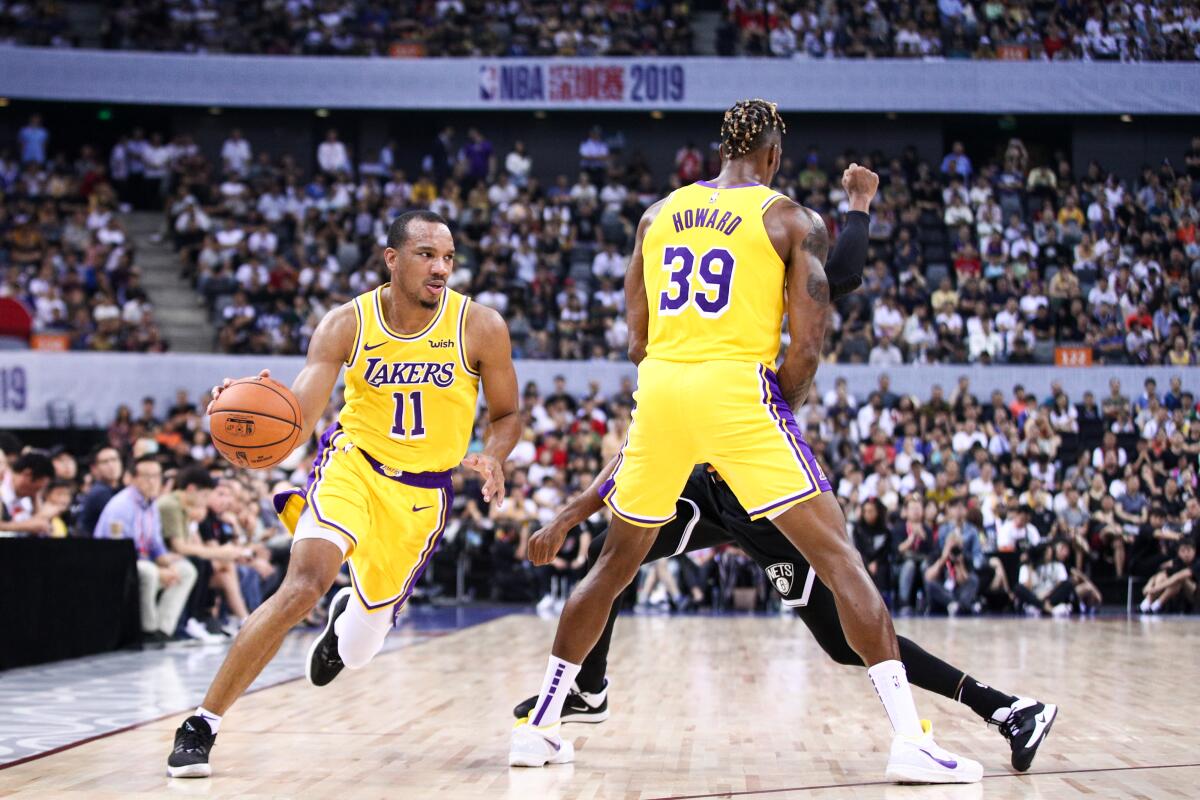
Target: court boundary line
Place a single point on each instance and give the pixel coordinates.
(423, 636)
(816, 787)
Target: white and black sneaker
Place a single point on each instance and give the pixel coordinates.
(1026, 728)
(324, 662)
(587, 707)
(193, 742)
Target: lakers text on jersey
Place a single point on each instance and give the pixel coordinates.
(381, 477)
(707, 391)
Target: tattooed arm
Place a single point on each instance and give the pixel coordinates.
(807, 301)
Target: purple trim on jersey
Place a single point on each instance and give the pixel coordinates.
(787, 423)
(769, 508)
(421, 480)
(713, 185)
(315, 485)
(647, 521)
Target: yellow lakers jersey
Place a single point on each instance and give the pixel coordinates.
(411, 398)
(714, 282)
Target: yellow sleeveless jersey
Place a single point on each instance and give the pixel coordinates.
(714, 282)
(411, 398)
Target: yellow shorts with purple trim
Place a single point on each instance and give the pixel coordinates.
(730, 414)
(392, 521)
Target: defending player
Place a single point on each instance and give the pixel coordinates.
(713, 265)
(379, 493)
(708, 515)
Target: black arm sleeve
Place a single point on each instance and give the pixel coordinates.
(845, 265)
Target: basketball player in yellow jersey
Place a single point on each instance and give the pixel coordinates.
(379, 494)
(715, 267)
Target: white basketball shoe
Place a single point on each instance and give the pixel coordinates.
(536, 746)
(917, 759)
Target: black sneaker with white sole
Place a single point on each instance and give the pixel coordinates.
(324, 663)
(1026, 728)
(579, 706)
(193, 742)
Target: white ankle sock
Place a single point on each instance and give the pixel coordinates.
(891, 684)
(213, 720)
(560, 675)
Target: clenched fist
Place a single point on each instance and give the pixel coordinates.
(860, 184)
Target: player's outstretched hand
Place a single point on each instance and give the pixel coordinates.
(493, 476)
(225, 384)
(860, 182)
(545, 543)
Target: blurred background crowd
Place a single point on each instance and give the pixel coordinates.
(958, 504)
(955, 29)
(979, 258)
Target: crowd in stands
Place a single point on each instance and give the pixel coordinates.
(64, 252)
(957, 503)
(412, 29)
(989, 29)
(989, 260)
(1017, 29)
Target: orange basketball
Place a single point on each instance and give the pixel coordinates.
(255, 422)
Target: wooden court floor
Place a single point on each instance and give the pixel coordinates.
(702, 707)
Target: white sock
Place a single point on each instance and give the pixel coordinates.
(560, 676)
(891, 684)
(213, 720)
(1156, 605)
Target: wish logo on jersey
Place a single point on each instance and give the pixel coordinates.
(408, 373)
(781, 575)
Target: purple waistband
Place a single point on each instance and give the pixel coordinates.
(421, 480)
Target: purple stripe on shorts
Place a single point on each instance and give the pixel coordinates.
(421, 480)
(783, 412)
(323, 445)
(607, 487)
(280, 499)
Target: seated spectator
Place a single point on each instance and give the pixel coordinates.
(950, 583)
(1176, 578)
(1043, 585)
(164, 579)
(21, 496)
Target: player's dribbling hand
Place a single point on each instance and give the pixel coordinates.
(225, 384)
(545, 544)
(860, 184)
(493, 476)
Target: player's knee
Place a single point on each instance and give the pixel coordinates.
(300, 593)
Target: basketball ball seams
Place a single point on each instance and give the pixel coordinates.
(294, 406)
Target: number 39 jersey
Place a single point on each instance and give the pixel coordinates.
(714, 283)
(411, 398)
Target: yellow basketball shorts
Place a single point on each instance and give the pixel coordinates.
(391, 520)
(730, 414)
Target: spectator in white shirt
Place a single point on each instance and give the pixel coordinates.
(518, 164)
(502, 192)
(885, 354)
(608, 263)
(235, 153)
(967, 437)
(332, 156)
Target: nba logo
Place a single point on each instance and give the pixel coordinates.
(239, 426)
(781, 575)
(489, 83)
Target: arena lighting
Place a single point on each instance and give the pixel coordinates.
(1126, 118)
(539, 114)
(104, 114)
(891, 115)
(322, 112)
(657, 115)
(215, 110)
(4, 101)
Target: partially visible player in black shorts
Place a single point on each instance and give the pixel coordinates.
(708, 515)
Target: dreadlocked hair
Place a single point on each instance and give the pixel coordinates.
(747, 125)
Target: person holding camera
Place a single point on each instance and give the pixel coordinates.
(951, 584)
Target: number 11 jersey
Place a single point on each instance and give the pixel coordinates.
(411, 398)
(714, 283)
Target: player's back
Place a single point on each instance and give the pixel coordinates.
(714, 282)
